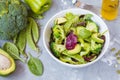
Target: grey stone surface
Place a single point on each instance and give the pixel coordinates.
(53, 70)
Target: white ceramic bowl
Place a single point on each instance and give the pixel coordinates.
(95, 18)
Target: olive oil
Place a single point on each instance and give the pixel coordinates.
(109, 9)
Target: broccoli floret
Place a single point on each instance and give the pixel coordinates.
(86, 49)
(57, 48)
(13, 18)
(58, 34)
(95, 47)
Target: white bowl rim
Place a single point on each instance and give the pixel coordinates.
(72, 65)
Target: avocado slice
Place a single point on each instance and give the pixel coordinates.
(7, 63)
(76, 50)
(60, 20)
(96, 38)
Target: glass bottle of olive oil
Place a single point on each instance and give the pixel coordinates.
(109, 9)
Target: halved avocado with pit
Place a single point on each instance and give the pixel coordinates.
(7, 63)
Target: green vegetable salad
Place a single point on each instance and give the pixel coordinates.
(76, 39)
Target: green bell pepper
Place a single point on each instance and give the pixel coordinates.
(39, 6)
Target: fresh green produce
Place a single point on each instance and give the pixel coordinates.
(35, 66)
(31, 35)
(12, 50)
(35, 30)
(39, 6)
(20, 41)
(7, 64)
(76, 39)
(13, 18)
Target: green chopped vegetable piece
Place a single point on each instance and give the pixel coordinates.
(86, 47)
(60, 20)
(58, 34)
(35, 66)
(95, 48)
(68, 60)
(76, 57)
(57, 48)
(96, 38)
(76, 50)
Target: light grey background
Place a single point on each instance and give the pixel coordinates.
(55, 71)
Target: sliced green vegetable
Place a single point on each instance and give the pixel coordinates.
(58, 34)
(35, 66)
(67, 59)
(95, 48)
(60, 20)
(12, 50)
(96, 38)
(86, 47)
(76, 57)
(76, 50)
(57, 48)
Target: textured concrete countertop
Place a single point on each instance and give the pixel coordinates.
(53, 70)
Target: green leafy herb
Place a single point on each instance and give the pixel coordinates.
(35, 66)
(12, 50)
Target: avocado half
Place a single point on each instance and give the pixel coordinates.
(7, 63)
